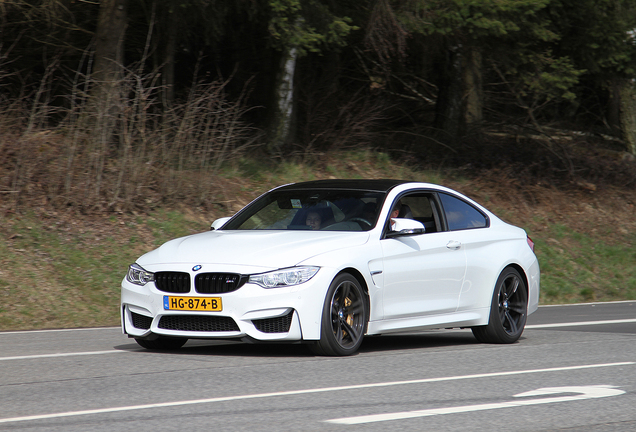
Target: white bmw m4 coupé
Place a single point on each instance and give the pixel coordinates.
(327, 262)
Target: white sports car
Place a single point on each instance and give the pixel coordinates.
(327, 262)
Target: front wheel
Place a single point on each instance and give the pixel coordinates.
(344, 318)
(508, 310)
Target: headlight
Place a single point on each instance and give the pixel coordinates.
(138, 275)
(285, 277)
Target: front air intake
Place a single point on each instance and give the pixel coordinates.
(274, 325)
(142, 322)
(200, 323)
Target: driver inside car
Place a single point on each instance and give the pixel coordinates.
(313, 220)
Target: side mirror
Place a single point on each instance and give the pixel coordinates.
(405, 227)
(219, 223)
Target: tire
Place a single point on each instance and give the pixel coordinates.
(508, 310)
(344, 318)
(162, 343)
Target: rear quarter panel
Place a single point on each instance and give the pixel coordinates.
(488, 252)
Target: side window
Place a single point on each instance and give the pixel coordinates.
(421, 207)
(460, 215)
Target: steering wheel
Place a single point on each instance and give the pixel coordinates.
(359, 219)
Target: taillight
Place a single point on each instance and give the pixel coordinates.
(530, 243)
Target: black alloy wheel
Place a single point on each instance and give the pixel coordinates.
(344, 318)
(508, 310)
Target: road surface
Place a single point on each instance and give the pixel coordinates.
(573, 369)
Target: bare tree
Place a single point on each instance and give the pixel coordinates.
(109, 41)
(628, 114)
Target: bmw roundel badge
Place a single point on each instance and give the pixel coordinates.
(196, 268)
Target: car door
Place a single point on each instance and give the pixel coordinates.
(422, 274)
(470, 225)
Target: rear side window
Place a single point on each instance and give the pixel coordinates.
(460, 215)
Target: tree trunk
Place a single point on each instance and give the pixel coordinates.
(460, 98)
(168, 67)
(448, 109)
(107, 67)
(104, 106)
(628, 114)
(613, 108)
(111, 28)
(282, 126)
(473, 92)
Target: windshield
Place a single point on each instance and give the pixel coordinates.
(328, 210)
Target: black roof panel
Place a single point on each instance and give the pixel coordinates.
(376, 185)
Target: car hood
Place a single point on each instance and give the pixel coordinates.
(267, 249)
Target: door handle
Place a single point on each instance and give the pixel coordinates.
(454, 245)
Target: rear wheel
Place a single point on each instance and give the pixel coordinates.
(508, 310)
(344, 318)
(162, 343)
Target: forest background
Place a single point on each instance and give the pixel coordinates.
(126, 122)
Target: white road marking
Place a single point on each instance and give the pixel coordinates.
(303, 392)
(581, 323)
(57, 330)
(588, 304)
(39, 356)
(587, 392)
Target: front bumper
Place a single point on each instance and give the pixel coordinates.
(276, 314)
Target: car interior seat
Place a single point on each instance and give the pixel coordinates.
(405, 212)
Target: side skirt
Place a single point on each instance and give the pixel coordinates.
(476, 317)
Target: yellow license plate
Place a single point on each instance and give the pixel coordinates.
(210, 304)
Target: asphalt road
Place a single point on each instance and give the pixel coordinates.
(574, 369)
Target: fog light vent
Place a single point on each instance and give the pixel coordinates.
(274, 325)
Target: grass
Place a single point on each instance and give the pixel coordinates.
(68, 275)
(56, 278)
(63, 271)
(581, 268)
